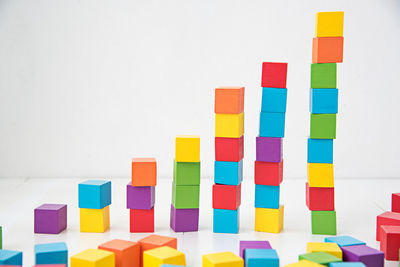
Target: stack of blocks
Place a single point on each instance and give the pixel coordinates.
(140, 195)
(258, 253)
(184, 215)
(268, 167)
(327, 51)
(228, 165)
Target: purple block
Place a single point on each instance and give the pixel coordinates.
(50, 218)
(184, 220)
(252, 244)
(367, 255)
(140, 197)
(268, 149)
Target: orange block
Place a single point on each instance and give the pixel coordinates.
(327, 50)
(229, 100)
(144, 172)
(155, 241)
(127, 253)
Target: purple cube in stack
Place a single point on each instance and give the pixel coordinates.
(184, 220)
(140, 197)
(50, 219)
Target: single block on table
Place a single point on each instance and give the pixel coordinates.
(156, 241)
(141, 221)
(320, 198)
(184, 220)
(268, 149)
(226, 221)
(320, 174)
(228, 172)
(226, 196)
(269, 220)
(261, 257)
(386, 218)
(51, 253)
(330, 248)
(323, 126)
(94, 194)
(304, 263)
(347, 264)
(323, 222)
(319, 150)
(323, 75)
(273, 99)
(10, 257)
(390, 241)
(272, 124)
(395, 203)
(324, 101)
(320, 257)
(93, 258)
(157, 256)
(144, 172)
(267, 196)
(222, 259)
(185, 196)
(186, 173)
(369, 256)
(329, 24)
(259, 244)
(94, 220)
(50, 219)
(344, 240)
(229, 125)
(274, 74)
(327, 50)
(140, 197)
(268, 173)
(127, 253)
(187, 148)
(229, 149)
(229, 100)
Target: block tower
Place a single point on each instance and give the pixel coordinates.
(268, 167)
(326, 52)
(184, 215)
(228, 165)
(140, 195)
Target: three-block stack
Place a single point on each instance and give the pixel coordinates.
(327, 51)
(268, 167)
(228, 165)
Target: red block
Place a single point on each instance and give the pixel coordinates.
(320, 198)
(228, 149)
(141, 221)
(396, 202)
(274, 74)
(386, 218)
(390, 241)
(226, 196)
(268, 173)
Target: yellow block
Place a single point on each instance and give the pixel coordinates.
(329, 24)
(331, 248)
(269, 220)
(93, 258)
(187, 148)
(229, 125)
(163, 255)
(222, 259)
(320, 174)
(304, 263)
(95, 220)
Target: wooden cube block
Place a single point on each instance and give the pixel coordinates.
(272, 124)
(226, 221)
(229, 100)
(269, 149)
(156, 241)
(50, 219)
(369, 256)
(228, 172)
(320, 257)
(222, 259)
(268, 173)
(390, 241)
(144, 172)
(94, 194)
(331, 248)
(320, 174)
(226, 196)
(329, 24)
(94, 220)
(319, 150)
(185, 196)
(323, 222)
(157, 256)
(229, 149)
(1, 238)
(184, 220)
(187, 148)
(229, 125)
(10, 257)
(274, 74)
(44, 265)
(323, 126)
(273, 99)
(386, 218)
(323, 75)
(304, 263)
(141, 221)
(344, 241)
(327, 50)
(395, 203)
(261, 258)
(324, 101)
(127, 253)
(51, 253)
(269, 220)
(140, 197)
(347, 264)
(320, 198)
(186, 173)
(93, 258)
(267, 196)
(243, 245)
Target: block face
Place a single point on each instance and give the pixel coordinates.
(323, 75)
(272, 124)
(10, 257)
(390, 242)
(304, 263)
(327, 50)
(320, 198)
(186, 173)
(51, 253)
(395, 203)
(184, 220)
(157, 256)
(222, 259)
(141, 221)
(347, 264)
(94, 220)
(320, 257)
(268, 173)
(50, 219)
(127, 253)
(93, 257)
(324, 101)
(243, 245)
(367, 255)
(269, 220)
(320, 175)
(140, 197)
(229, 125)
(229, 149)
(155, 241)
(319, 150)
(386, 218)
(323, 126)
(329, 24)
(94, 194)
(331, 248)
(187, 148)
(268, 149)
(144, 172)
(274, 74)
(323, 222)
(344, 241)
(274, 99)
(229, 100)
(267, 196)
(185, 196)
(228, 172)
(226, 196)
(261, 257)
(226, 221)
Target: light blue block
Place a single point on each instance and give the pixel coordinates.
(226, 221)
(261, 258)
(347, 264)
(344, 241)
(267, 196)
(319, 150)
(324, 101)
(272, 124)
(228, 172)
(94, 194)
(51, 253)
(273, 99)
(10, 257)
(170, 265)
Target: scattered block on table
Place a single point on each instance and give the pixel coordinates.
(320, 174)
(274, 74)
(50, 219)
(259, 244)
(369, 256)
(93, 258)
(127, 253)
(320, 257)
(319, 150)
(261, 257)
(158, 256)
(144, 172)
(156, 241)
(320, 198)
(226, 196)
(386, 218)
(268, 149)
(94, 194)
(323, 222)
(269, 220)
(229, 125)
(268, 173)
(187, 148)
(396, 202)
(329, 24)
(304, 263)
(10, 257)
(185, 196)
(51, 253)
(327, 50)
(324, 101)
(140, 197)
(170, 265)
(267, 196)
(186, 173)
(184, 220)
(94, 220)
(323, 75)
(272, 124)
(273, 99)
(323, 126)
(390, 242)
(228, 172)
(330, 248)
(229, 100)
(226, 221)
(344, 240)
(229, 149)
(46, 265)
(222, 259)
(347, 264)
(141, 221)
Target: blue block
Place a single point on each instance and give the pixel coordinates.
(10, 257)
(228, 172)
(347, 264)
(226, 221)
(170, 265)
(261, 258)
(94, 194)
(51, 253)
(272, 124)
(273, 99)
(344, 241)
(319, 150)
(267, 196)
(324, 101)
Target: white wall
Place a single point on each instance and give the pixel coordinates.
(87, 84)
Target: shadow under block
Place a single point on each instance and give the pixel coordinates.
(229, 100)
(327, 50)
(156, 241)
(222, 259)
(50, 219)
(51, 253)
(267, 196)
(229, 149)
(226, 221)
(228, 172)
(390, 242)
(320, 198)
(268, 149)
(344, 240)
(94, 194)
(185, 196)
(386, 218)
(229, 125)
(261, 258)
(323, 126)
(10, 257)
(186, 173)
(144, 172)
(320, 257)
(273, 99)
(319, 150)
(94, 220)
(323, 75)
(369, 256)
(324, 101)
(395, 204)
(268, 173)
(127, 253)
(259, 244)
(141, 221)
(140, 197)
(269, 220)
(331, 248)
(304, 263)
(272, 124)
(329, 24)
(226, 196)
(93, 258)
(320, 175)
(323, 222)
(157, 256)
(274, 74)
(187, 148)
(184, 220)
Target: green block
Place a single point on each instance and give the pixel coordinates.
(185, 196)
(323, 75)
(320, 258)
(323, 222)
(323, 126)
(186, 173)
(1, 238)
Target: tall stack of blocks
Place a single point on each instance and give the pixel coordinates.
(327, 51)
(268, 167)
(184, 215)
(228, 165)
(140, 195)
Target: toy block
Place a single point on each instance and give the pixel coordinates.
(94, 220)
(319, 150)
(395, 203)
(304, 263)
(267, 196)
(258, 244)
(229, 100)
(320, 174)
(323, 126)
(229, 149)
(323, 222)
(157, 256)
(184, 220)
(127, 253)
(320, 198)
(369, 256)
(324, 101)
(187, 148)
(274, 74)
(261, 257)
(140, 197)
(144, 172)
(226, 221)
(185, 196)
(186, 173)
(226, 196)
(228, 172)
(273, 99)
(1, 238)
(327, 50)
(51, 253)
(344, 241)
(386, 218)
(269, 220)
(170, 265)
(46, 265)
(10, 257)
(329, 24)
(330, 248)
(50, 219)
(156, 241)
(222, 259)
(268, 173)
(272, 124)
(323, 75)
(347, 264)
(141, 221)
(93, 258)
(268, 149)
(229, 125)
(320, 257)
(94, 194)
(390, 242)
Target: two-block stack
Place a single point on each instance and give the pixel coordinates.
(228, 165)
(268, 168)
(327, 51)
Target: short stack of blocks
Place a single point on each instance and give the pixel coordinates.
(50, 219)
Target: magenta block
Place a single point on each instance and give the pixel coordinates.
(268, 149)
(243, 245)
(50, 218)
(140, 197)
(367, 255)
(184, 220)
